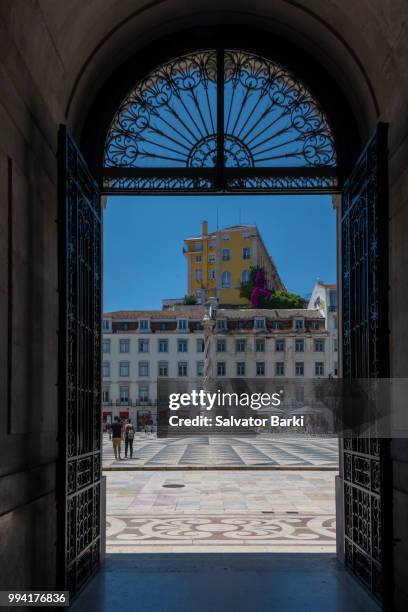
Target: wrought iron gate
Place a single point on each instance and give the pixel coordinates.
(365, 355)
(80, 285)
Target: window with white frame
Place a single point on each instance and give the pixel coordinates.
(211, 274)
(106, 346)
(299, 345)
(319, 368)
(124, 394)
(260, 346)
(246, 253)
(226, 279)
(144, 324)
(143, 346)
(211, 257)
(200, 368)
(226, 237)
(143, 368)
(260, 323)
(182, 346)
(163, 346)
(221, 346)
(124, 346)
(245, 276)
(279, 345)
(240, 368)
(182, 324)
(299, 368)
(198, 258)
(319, 345)
(182, 368)
(123, 368)
(163, 369)
(143, 394)
(105, 395)
(276, 325)
(198, 274)
(246, 235)
(279, 368)
(221, 324)
(200, 345)
(221, 369)
(106, 324)
(260, 368)
(240, 345)
(299, 324)
(106, 368)
(225, 255)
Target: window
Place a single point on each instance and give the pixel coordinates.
(260, 368)
(314, 325)
(221, 369)
(299, 324)
(299, 368)
(143, 368)
(279, 345)
(198, 246)
(200, 368)
(211, 257)
(260, 346)
(144, 325)
(280, 368)
(124, 346)
(106, 346)
(225, 254)
(240, 346)
(319, 346)
(163, 346)
(105, 395)
(198, 258)
(105, 324)
(143, 394)
(143, 346)
(299, 345)
(276, 325)
(245, 276)
(200, 345)
(163, 368)
(211, 245)
(182, 368)
(198, 274)
(163, 326)
(106, 368)
(226, 237)
(124, 395)
(246, 235)
(125, 326)
(319, 368)
(240, 368)
(221, 324)
(211, 274)
(124, 368)
(246, 253)
(182, 324)
(335, 345)
(260, 324)
(182, 346)
(226, 279)
(221, 346)
(332, 300)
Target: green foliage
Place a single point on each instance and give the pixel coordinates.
(190, 300)
(278, 299)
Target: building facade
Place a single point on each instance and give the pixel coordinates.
(218, 262)
(141, 347)
(324, 298)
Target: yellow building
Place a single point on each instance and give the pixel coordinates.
(220, 261)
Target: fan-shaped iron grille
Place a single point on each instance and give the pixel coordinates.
(222, 120)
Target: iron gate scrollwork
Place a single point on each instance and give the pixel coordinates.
(365, 355)
(80, 284)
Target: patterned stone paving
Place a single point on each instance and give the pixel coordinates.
(262, 450)
(241, 511)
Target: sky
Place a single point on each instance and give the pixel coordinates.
(143, 241)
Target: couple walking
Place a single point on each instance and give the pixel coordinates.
(121, 432)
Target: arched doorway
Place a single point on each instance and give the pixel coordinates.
(220, 118)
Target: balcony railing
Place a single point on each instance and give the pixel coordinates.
(130, 403)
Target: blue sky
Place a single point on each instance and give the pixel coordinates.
(143, 241)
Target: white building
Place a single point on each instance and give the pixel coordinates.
(324, 298)
(141, 346)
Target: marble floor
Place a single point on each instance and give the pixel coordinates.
(220, 511)
(261, 450)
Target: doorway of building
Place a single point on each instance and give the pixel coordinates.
(311, 150)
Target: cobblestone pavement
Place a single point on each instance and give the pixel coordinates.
(224, 511)
(263, 450)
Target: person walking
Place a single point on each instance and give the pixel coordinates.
(117, 437)
(129, 437)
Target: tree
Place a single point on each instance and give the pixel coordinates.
(259, 296)
(190, 300)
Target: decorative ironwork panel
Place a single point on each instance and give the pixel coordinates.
(195, 120)
(365, 355)
(79, 367)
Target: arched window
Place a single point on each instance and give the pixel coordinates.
(245, 276)
(219, 120)
(226, 279)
